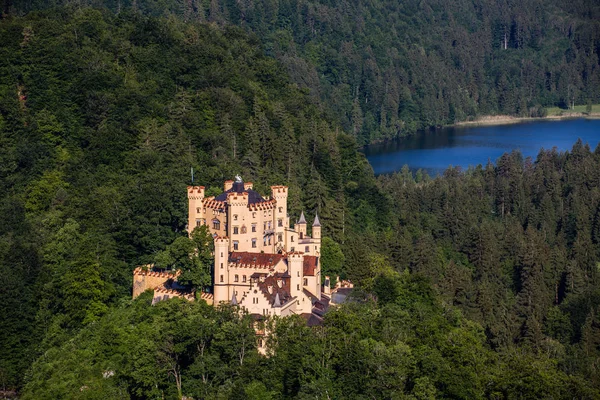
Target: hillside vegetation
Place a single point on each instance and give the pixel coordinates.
(475, 284)
(387, 67)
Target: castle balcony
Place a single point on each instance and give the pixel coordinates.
(269, 232)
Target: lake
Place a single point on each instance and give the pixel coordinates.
(434, 151)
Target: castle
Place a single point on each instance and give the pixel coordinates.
(261, 263)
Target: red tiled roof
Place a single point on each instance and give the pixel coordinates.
(310, 264)
(260, 260)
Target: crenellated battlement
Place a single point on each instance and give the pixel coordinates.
(147, 271)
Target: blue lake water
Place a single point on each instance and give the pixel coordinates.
(434, 151)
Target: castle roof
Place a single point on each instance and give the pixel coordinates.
(276, 295)
(309, 265)
(259, 260)
(302, 220)
(317, 222)
(238, 187)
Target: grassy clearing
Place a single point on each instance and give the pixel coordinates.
(578, 109)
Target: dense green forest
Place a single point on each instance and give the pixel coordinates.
(475, 284)
(387, 68)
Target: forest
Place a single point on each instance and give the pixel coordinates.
(480, 283)
(388, 68)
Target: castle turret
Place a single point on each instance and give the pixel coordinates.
(221, 278)
(301, 226)
(195, 209)
(316, 228)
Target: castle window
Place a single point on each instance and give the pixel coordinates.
(292, 249)
(306, 249)
(235, 244)
(198, 210)
(305, 281)
(221, 265)
(221, 279)
(253, 215)
(280, 222)
(236, 278)
(260, 343)
(269, 239)
(315, 249)
(269, 224)
(280, 209)
(235, 230)
(235, 217)
(280, 237)
(198, 222)
(253, 227)
(298, 287)
(216, 224)
(253, 243)
(244, 229)
(265, 241)
(244, 278)
(301, 235)
(264, 226)
(292, 238)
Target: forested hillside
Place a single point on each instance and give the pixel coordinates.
(387, 68)
(475, 284)
(101, 120)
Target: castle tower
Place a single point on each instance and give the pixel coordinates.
(195, 210)
(296, 271)
(221, 276)
(280, 221)
(316, 228)
(301, 226)
(237, 228)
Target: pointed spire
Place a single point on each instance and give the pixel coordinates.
(302, 220)
(277, 302)
(317, 222)
(234, 299)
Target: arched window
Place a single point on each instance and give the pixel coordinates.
(236, 278)
(221, 279)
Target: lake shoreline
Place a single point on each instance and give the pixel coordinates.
(492, 120)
